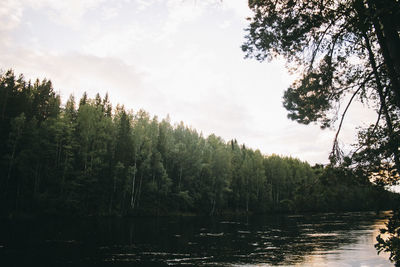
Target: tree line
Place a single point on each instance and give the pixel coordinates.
(88, 158)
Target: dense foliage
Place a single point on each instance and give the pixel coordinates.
(343, 50)
(389, 239)
(92, 159)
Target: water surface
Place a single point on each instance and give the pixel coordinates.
(345, 239)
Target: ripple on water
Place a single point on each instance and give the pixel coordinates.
(211, 234)
(230, 222)
(322, 234)
(335, 240)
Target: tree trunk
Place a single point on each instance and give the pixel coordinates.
(63, 174)
(19, 132)
(5, 98)
(382, 98)
(11, 163)
(36, 184)
(389, 42)
(133, 187)
(112, 195)
(212, 207)
(137, 195)
(180, 179)
(247, 203)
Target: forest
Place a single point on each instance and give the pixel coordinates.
(86, 158)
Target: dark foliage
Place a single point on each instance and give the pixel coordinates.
(391, 243)
(92, 160)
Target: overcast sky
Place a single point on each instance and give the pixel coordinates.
(176, 57)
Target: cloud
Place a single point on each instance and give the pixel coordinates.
(178, 13)
(305, 141)
(65, 12)
(143, 4)
(76, 73)
(110, 12)
(182, 12)
(118, 42)
(214, 114)
(239, 7)
(10, 15)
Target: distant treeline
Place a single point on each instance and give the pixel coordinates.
(91, 159)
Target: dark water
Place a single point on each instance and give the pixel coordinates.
(345, 239)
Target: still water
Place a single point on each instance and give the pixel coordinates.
(327, 239)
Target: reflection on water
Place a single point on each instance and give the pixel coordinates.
(345, 239)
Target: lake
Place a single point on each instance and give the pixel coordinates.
(324, 239)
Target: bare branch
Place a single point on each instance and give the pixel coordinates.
(335, 147)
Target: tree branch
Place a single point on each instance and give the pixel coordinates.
(335, 149)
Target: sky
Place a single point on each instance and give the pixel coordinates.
(180, 58)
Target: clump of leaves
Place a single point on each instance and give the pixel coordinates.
(392, 242)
